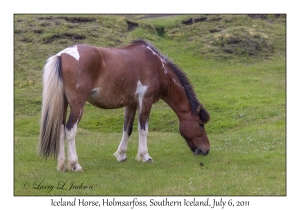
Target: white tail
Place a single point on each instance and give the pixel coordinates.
(52, 107)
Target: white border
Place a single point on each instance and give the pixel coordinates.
(153, 6)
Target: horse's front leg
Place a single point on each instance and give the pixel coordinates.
(144, 112)
(129, 113)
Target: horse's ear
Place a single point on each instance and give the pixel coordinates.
(199, 108)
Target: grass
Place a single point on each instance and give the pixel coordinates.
(174, 171)
(237, 66)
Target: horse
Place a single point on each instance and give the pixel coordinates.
(134, 77)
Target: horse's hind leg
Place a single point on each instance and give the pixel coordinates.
(61, 156)
(129, 113)
(71, 130)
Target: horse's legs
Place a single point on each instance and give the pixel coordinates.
(71, 129)
(129, 113)
(61, 156)
(144, 111)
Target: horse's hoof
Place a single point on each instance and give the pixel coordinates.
(149, 160)
(74, 167)
(144, 158)
(121, 159)
(61, 167)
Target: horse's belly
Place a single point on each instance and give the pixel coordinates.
(108, 101)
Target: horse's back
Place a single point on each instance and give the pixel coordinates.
(125, 68)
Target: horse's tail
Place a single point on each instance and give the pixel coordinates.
(52, 107)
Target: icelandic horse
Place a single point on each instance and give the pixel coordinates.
(134, 77)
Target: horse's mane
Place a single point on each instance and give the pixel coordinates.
(180, 74)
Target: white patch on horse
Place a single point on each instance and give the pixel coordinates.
(162, 61)
(73, 51)
(143, 149)
(140, 91)
(95, 91)
(177, 83)
(72, 155)
(120, 154)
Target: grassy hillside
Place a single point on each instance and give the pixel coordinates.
(237, 66)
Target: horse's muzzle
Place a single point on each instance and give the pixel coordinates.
(200, 152)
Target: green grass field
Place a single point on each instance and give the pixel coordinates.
(237, 65)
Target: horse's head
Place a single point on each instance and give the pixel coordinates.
(194, 132)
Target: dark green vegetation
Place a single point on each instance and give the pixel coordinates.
(237, 66)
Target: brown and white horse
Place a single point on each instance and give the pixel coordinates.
(134, 77)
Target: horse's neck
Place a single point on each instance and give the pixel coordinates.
(177, 99)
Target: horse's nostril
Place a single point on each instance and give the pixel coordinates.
(200, 152)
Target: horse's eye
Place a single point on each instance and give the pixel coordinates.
(201, 125)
